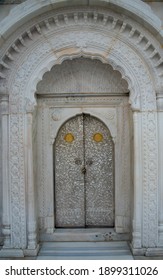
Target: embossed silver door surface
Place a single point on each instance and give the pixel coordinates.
(69, 180)
(98, 150)
(84, 188)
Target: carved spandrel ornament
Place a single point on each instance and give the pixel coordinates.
(56, 114)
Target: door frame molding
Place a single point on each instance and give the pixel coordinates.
(106, 109)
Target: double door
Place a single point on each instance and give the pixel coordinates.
(84, 180)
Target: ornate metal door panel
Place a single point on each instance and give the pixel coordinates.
(84, 174)
(99, 173)
(69, 180)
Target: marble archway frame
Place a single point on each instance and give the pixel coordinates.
(34, 62)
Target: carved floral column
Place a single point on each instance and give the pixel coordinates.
(145, 221)
(31, 201)
(160, 161)
(5, 171)
(137, 213)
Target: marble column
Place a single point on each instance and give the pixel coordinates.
(6, 231)
(32, 247)
(160, 164)
(137, 205)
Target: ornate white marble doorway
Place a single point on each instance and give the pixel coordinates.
(104, 59)
(84, 184)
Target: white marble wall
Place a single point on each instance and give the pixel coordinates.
(0, 179)
(135, 51)
(35, 163)
(157, 7)
(5, 10)
(160, 165)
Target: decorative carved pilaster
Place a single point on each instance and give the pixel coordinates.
(150, 178)
(136, 234)
(31, 206)
(5, 171)
(160, 162)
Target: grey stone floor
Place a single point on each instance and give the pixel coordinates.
(118, 250)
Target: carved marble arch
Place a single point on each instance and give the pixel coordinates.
(140, 86)
(142, 98)
(133, 63)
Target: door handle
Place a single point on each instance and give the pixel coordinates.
(83, 170)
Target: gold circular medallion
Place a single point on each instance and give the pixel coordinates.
(69, 137)
(98, 137)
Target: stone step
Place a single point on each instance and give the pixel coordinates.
(85, 250)
(84, 235)
(105, 245)
(124, 257)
